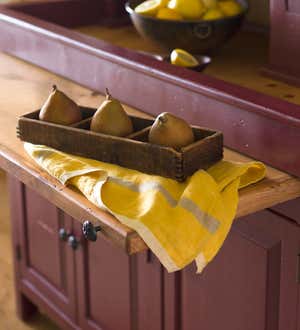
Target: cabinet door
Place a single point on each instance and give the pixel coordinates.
(290, 209)
(46, 262)
(117, 291)
(150, 292)
(251, 284)
(106, 285)
(285, 34)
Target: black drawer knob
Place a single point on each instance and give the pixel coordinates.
(73, 242)
(90, 231)
(63, 234)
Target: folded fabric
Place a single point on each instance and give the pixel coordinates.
(180, 222)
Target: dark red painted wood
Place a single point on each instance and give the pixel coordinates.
(250, 121)
(284, 40)
(250, 285)
(75, 12)
(172, 301)
(106, 292)
(277, 227)
(150, 292)
(24, 307)
(290, 209)
(47, 263)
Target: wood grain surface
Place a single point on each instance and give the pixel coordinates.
(244, 115)
(25, 87)
(239, 62)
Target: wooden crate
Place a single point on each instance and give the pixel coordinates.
(132, 152)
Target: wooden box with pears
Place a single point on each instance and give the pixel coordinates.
(166, 146)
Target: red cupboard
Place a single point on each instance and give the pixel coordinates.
(252, 284)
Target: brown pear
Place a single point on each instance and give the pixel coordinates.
(171, 131)
(111, 118)
(60, 109)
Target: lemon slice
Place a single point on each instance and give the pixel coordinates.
(188, 9)
(213, 13)
(230, 7)
(167, 13)
(182, 58)
(149, 7)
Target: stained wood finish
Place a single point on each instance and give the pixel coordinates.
(238, 62)
(250, 285)
(31, 84)
(129, 152)
(223, 105)
(46, 265)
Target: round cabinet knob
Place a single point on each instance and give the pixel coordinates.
(90, 231)
(63, 235)
(73, 242)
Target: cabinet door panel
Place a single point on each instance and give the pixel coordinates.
(106, 290)
(285, 33)
(150, 286)
(290, 209)
(293, 6)
(47, 263)
(289, 235)
(249, 285)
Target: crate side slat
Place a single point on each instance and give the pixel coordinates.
(203, 155)
(124, 152)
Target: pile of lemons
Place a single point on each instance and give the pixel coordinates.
(189, 9)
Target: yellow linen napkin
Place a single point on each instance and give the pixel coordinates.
(180, 222)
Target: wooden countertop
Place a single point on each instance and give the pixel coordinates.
(25, 87)
(239, 62)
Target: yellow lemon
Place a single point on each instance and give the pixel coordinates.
(213, 13)
(210, 3)
(188, 9)
(167, 13)
(149, 7)
(180, 57)
(164, 3)
(230, 7)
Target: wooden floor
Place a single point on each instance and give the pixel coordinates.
(8, 319)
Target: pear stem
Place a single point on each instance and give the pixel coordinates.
(162, 119)
(108, 95)
(54, 88)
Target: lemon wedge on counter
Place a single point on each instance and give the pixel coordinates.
(167, 13)
(150, 7)
(230, 7)
(182, 58)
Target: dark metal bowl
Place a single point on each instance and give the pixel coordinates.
(197, 37)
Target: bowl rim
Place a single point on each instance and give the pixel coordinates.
(131, 11)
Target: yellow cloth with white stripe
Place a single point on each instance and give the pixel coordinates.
(180, 222)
